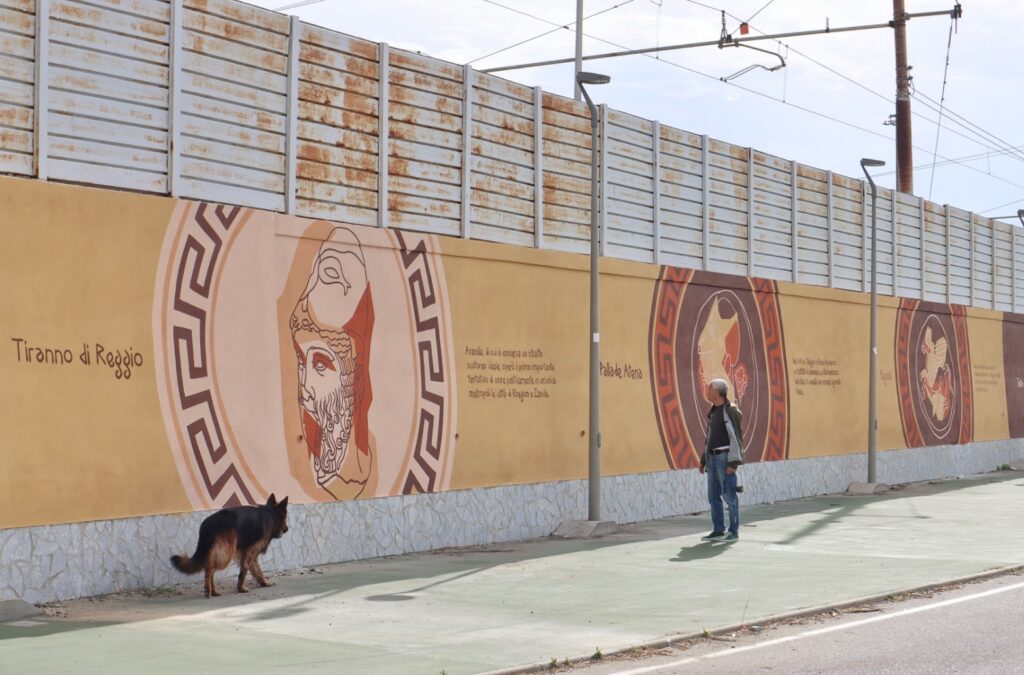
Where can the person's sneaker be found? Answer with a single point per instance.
(714, 535)
(731, 537)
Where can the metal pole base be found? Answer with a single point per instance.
(585, 529)
(860, 489)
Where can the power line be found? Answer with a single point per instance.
(763, 7)
(1015, 201)
(971, 126)
(557, 28)
(942, 100)
(957, 160)
(843, 76)
(774, 98)
(1001, 145)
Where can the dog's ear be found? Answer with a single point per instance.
(283, 504)
(271, 500)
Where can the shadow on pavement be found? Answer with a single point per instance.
(701, 551)
(417, 573)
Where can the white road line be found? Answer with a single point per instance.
(822, 631)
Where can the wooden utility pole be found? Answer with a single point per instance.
(904, 142)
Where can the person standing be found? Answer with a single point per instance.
(723, 454)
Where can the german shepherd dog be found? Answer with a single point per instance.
(239, 533)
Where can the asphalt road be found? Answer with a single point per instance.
(970, 629)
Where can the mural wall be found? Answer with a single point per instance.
(165, 356)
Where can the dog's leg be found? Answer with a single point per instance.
(257, 571)
(211, 591)
(243, 568)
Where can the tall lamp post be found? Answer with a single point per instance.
(873, 386)
(594, 498)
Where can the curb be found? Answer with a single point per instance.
(671, 640)
(12, 610)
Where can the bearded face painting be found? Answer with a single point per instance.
(331, 328)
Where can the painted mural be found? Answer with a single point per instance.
(309, 358)
(203, 355)
(1013, 370)
(705, 326)
(933, 374)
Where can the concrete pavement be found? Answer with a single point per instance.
(513, 605)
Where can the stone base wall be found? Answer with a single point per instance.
(59, 562)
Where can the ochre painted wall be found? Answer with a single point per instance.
(77, 273)
(328, 361)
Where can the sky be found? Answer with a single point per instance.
(827, 108)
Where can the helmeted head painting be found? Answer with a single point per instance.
(708, 327)
(306, 357)
(332, 331)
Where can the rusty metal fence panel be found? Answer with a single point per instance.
(961, 255)
(338, 108)
(566, 149)
(983, 267)
(886, 244)
(222, 101)
(106, 118)
(727, 231)
(629, 219)
(848, 234)
(681, 198)
(1002, 262)
(233, 104)
(908, 245)
(813, 226)
(773, 207)
(503, 183)
(426, 140)
(936, 254)
(17, 86)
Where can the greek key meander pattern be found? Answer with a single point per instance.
(776, 443)
(431, 421)
(664, 315)
(963, 359)
(188, 320)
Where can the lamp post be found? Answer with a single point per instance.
(594, 483)
(873, 386)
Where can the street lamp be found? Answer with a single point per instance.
(873, 386)
(594, 483)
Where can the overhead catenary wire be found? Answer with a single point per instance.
(1000, 147)
(763, 7)
(980, 137)
(557, 28)
(971, 127)
(974, 139)
(942, 101)
(1015, 201)
(805, 109)
(955, 160)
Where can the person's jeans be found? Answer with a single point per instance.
(722, 487)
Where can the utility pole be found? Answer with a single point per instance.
(904, 142)
(579, 49)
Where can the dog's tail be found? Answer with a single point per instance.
(186, 565)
